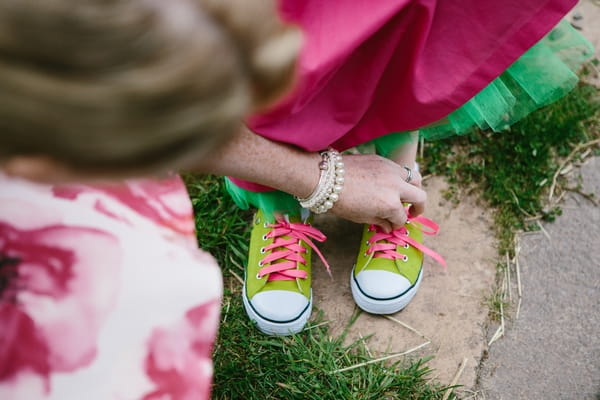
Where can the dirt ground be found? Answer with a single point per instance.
(449, 310)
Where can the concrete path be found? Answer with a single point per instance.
(552, 351)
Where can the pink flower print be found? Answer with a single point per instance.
(179, 357)
(165, 201)
(57, 285)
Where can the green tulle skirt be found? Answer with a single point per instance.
(542, 75)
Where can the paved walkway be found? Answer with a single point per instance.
(553, 350)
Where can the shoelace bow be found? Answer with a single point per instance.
(385, 245)
(282, 263)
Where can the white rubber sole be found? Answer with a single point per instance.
(383, 306)
(277, 328)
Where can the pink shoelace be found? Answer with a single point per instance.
(385, 245)
(289, 252)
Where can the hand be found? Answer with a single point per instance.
(374, 191)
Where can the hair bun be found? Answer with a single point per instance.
(267, 46)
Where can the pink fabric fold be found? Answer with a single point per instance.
(371, 68)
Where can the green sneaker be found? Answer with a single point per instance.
(277, 287)
(389, 267)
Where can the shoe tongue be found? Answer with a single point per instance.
(290, 219)
(304, 215)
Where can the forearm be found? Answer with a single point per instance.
(251, 157)
(374, 190)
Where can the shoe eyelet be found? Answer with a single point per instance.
(407, 232)
(365, 255)
(264, 237)
(260, 264)
(258, 277)
(263, 251)
(266, 225)
(257, 221)
(406, 246)
(405, 258)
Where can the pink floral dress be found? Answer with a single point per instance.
(104, 293)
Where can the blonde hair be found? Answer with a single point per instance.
(135, 84)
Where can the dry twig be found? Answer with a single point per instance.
(508, 276)
(410, 328)
(588, 196)
(576, 150)
(226, 311)
(518, 268)
(518, 273)
(236, 276)
(544, 231)
(365, 343)
(456, 378)
(518, 309)
(381, 358)
(496, 336)
(500, 331)
(315, 326)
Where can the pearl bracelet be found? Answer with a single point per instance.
(331, 182)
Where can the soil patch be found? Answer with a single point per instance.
(448, 310)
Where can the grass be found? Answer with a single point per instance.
(221, 225)
(496, 301)
(512, 171)
(249, 365)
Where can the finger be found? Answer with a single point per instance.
(397, 219)
(411, 175)
(417, 179)
(416, 209)
(385, 225)
(417, 197)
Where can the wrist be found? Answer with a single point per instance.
(329, 187)
(307, 175)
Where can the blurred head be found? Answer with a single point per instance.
(121, 87)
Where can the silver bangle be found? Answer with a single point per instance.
(331, 183)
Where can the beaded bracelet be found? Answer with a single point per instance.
(331, 182)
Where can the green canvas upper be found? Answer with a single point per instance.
(258, 241)
(409, 269)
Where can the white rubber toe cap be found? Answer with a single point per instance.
(382, 292)
(382, 284)
(279, 305)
